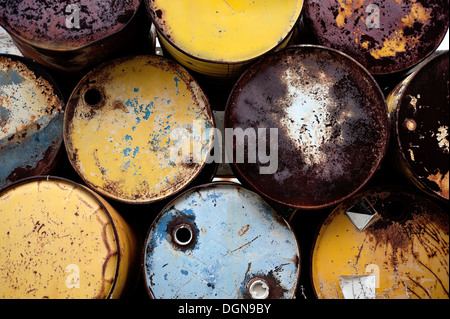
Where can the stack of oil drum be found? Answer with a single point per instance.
(265, 150)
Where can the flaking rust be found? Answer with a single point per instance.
(31, 120)
(419, 106)
(405, 249)
(70, 36)
(218, 241)
(385, 36)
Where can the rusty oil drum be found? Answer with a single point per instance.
(419, 108)
(59, 240)
(384, 36)
(31, 120)
(138, 129)
(384, 243)
(69, 36)
(327, 114)
(220, 240)
(219, 38)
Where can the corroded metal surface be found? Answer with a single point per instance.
(385, 36)
(402, 253)
(236, 239)
(60, 240)
(420, 118)
(218, 38)
(121, 126)
(31, 120)
(332, 123)
(69, 35)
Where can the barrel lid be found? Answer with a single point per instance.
(66, 25)
(220, 240)
(31, 119)
(401, 253)
(385, 36)
(138, 129)
(229, 31)
(326, 126)
(57, 240)
(422, 121)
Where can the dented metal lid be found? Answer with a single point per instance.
(63, 25)
(60, 240)
(402, 253)
(326, 126)
(138, 129)
(221, 241)
(31, 120)
(420, 109)
(385, 36)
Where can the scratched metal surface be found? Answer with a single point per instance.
(124, 145)
(406, 247)
(407, 31)
(31, 120)
(420, 112)
(237, 237)
(332, 123)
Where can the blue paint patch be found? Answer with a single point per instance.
(136, 90)
(126, 152)
(128, 138)
(176, 81)
(136, 150)
(185, 272)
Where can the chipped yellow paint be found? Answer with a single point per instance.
(442, 181)
(408, 268)
(348, 9)
(60, 240)
(126, 147)
(212, 35)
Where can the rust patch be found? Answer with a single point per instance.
(243, 230)
(182, 220)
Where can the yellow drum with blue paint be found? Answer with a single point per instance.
(138, 129)
(31, 120)
(223, 241)
(384, 243)
(58, 239)
(218, 38)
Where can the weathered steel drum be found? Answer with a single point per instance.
(220, 240)
(218, 38)
(69, 36)
(419, 108)
(138, 129)
(384, 243)
(31, 120)
(7, 45)
(58, 239)
(327, 116)
(385, 36)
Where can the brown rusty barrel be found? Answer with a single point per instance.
(385, 36)
(31, 120)
(316, 119)
(70, 35)
(58, 239)
(419, 108)
(139, 129)
(383, 243)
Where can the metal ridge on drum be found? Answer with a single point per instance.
(330, 119)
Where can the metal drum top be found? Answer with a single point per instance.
(31, 120)
(328, 116)
(138, 129)
(385, 243)
(222, 32)
(420, 111)
(385, 36)
(53, 25)
(222, 241)
(60, 240)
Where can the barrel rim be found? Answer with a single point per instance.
(93, 195)
(210, 186)
(376, 87)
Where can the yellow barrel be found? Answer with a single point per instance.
(60, 240)
(217, 38)
(384, 243)
(419, 108)
(138, 129)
